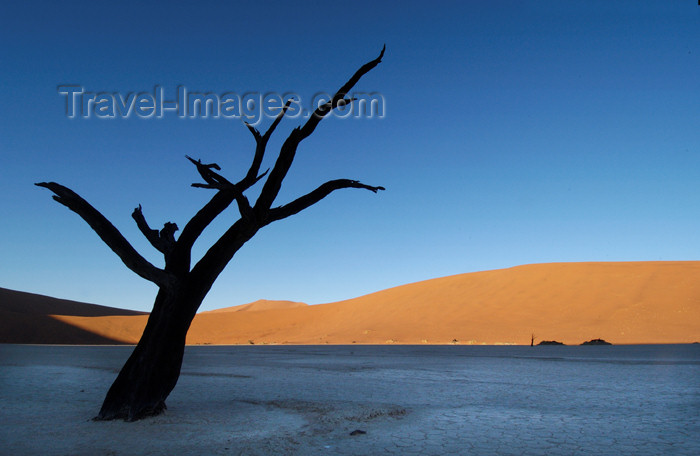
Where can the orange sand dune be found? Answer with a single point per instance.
(641, 302)
(624, 303)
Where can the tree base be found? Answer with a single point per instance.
(128, 414)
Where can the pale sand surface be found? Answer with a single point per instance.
(410, 400)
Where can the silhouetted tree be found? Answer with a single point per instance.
(152, 370)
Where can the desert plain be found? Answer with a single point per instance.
(425, 368)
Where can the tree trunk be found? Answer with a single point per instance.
(152, 370)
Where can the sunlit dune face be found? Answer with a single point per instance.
(624, 303)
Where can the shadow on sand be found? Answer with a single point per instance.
(27, 318)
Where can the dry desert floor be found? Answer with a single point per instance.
(308, 400)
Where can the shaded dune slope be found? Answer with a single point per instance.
(30, 318)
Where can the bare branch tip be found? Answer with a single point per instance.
(252, 129)
(286, 106)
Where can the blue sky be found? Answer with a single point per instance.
(515, 132)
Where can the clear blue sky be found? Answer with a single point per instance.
(515, 132)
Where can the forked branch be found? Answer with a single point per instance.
(226, 195)
(216, 258)
(219, 182)
(252, 177)
(180, 257)
(164, 240)
(108, 233)
(213, 180)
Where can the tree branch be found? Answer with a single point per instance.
(314, 197)
(212, 179)
(164, 240)
(217, 181)
(215, 259)
(288, 151)
(320, 113)
(252, 177)
(205, 272)
(181, 254)
(180, 257)
(224, 197)
(109, 234)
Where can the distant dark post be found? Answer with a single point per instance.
(532, 340)
(153, 368)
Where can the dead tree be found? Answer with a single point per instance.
(152, 370)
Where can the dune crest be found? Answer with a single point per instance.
(260, 304)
